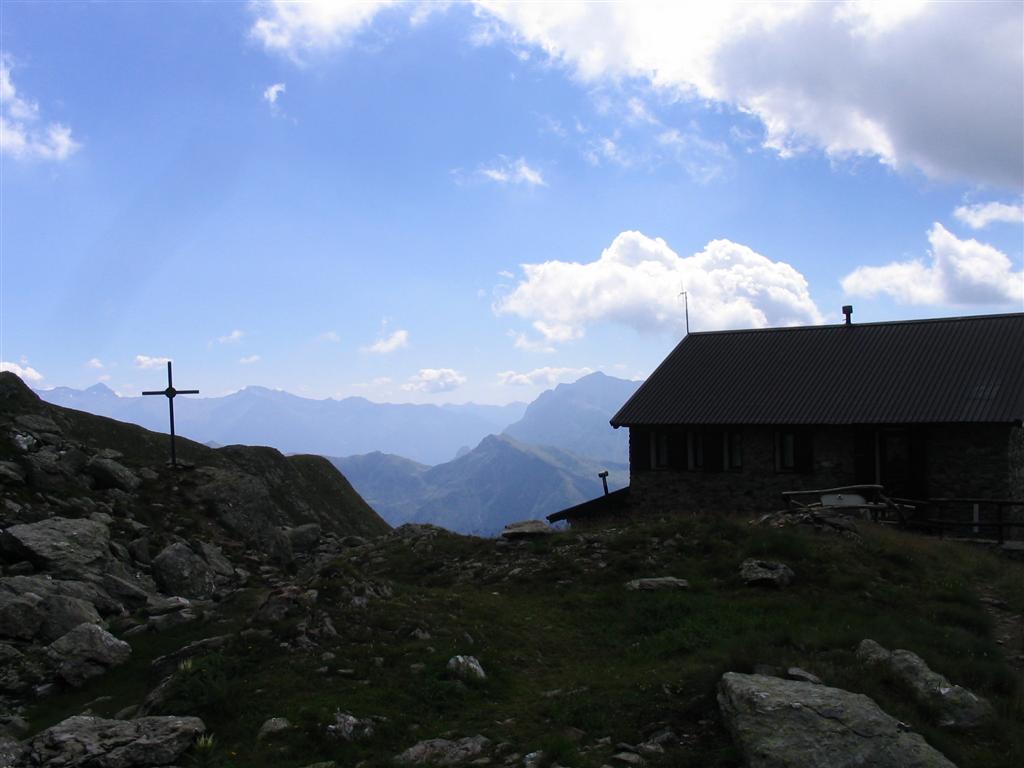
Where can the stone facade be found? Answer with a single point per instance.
(968, 460)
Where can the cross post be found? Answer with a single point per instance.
(170, 394)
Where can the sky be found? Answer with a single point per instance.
(454, 202)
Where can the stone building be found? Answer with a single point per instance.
(927, 408)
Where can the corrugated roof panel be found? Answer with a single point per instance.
(967, 369)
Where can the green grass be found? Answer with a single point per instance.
(565, 646)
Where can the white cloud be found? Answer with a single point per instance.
(331, 336)
(145, 361)
(547, 376)
(524, 342)
(507, 171)
(95, 362)
(20, 134)
(297, 28)
(272, 92)
(433, 380)
(849, 78)
(389, 343)
(25, 372)
(959, 272)
(105, 377)
(637, 280)
(250, 360)
(980, 215)
(231, 338)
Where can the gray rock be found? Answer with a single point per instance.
(444, 751)
(93, 742)
(215, 559)
(795, 673)
(107, 473)
(11, 473)
(272, 727)
(348, 727)
(303, 538)
(11, 751)
(180, 571)
(61, 545)
(765, 572)
(87, 651)
(657, 583)
(466, 668)
(789, 724)
(526, 529)
(35, 422)
(954, 706)
(63, 613)
(21, 616)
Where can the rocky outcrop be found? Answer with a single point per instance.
(93, 742)
(60, 545)
(179, 570)
(952, 706)
(444, 751)
(466, 668)
(788, 724)
(657, 583)
(527, 529)
(348, 727)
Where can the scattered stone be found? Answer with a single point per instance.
(87, 651)
(657, 583)
(94, 742)
(63, 614)
(627, 758)
(466, 668)
(303, 538)
(107, 473)
(795, 724)
(273, 727)
(795, 673)
(11, 473)
(348, 727)
(954, 706)
(21, 615)
(444, 751)
(765, 572)
(180, 571)
(527, 529)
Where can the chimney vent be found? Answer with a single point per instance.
(848, 313)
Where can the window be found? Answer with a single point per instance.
(694, 450)
(734, 450)
(794, 451)
(659, 450)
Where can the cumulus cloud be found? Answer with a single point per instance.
(25, 371)
(272, 92)
(21, 134)
(231, 338)
(296, 28)
(957, 272)
(854, 78)
(95, 362)
(249, 360)
(547, 376)
(433, 380)
(389, 343)
(980, 215)
(145, 361)
(636, 282)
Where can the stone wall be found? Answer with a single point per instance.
(959, 461)
(754, 488)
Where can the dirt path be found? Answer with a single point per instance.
(1009, 627)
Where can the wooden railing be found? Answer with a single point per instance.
(929, 516)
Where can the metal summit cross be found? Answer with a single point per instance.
(170, 393)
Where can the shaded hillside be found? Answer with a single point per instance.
(261, 416)
(574, 417)
(498, 482)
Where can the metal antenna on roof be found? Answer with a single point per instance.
(686, 305)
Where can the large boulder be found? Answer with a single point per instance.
(444, 751)
(86, 651)
(179, 570)
(93, 742)
(766, 573)
(789, 724)
(63, 614)
(107, 473)
(953, 706)
(466, 668)
(60, 545)
(21, 615)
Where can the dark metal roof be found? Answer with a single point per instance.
(951, 370)
(609, 505)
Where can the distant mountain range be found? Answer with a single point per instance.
(413, 463)
(498, 482)
(258, 416)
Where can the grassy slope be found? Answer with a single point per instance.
(623, 661)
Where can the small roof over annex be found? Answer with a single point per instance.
(946, 370)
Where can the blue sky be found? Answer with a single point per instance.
(453, 202)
